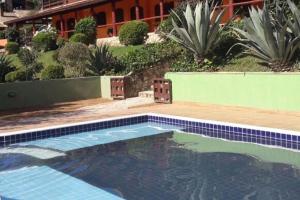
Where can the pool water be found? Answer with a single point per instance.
(164, 165)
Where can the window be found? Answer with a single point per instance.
(157, 10)
(119, 15)
(71, 24)
(168, 7)
(133, 13)
(101, 18)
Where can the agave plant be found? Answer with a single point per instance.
(268, 40)
(294, 24)
(5, 67)
(198, 30)
(101, 60)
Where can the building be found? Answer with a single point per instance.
(109, 14)
(13, 9)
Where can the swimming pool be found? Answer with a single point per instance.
(148, 157)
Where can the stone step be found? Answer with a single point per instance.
(146, 94)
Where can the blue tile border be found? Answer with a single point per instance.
(210, 129)
(57, 132)
(233, 133)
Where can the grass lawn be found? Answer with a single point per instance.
(244, 64)
(120, 51)
(45, 58)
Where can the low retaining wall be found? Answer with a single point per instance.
(43, 93)
(275, 91)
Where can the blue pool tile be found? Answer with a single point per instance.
(283, 137)
(273, 135)
(294, 138)
(294, 145)
(278, 136)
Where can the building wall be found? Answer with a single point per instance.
(148, 7)
(274, 91)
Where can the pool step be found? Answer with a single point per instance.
(146, 94)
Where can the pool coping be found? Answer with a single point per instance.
(231, 131)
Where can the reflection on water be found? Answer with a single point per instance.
(165, 167)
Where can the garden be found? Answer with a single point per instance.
(194, 40)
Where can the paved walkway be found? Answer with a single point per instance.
(99, 108)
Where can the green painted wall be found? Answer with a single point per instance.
(42, 93)
(259, 90)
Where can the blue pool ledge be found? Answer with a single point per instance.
(271, 137)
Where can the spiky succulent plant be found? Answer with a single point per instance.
(198, 30)
(268, 40)
(294, 21)
(5, 67)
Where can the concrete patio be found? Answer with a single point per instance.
(94, 109)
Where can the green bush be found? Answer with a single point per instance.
(12, 47)
(185, 63)
(227, 39)
(150, 55)
(12, 34)
(60, 42)
(5, 67)
(27, 56)
(53, 72)
(165, 27)
(75, 58)
(80, 37)
(2, 35)
(87, 26)
(55, 55)
(44, 41)
(19, 75)
(133, 33)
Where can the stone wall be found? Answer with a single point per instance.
(143, 81)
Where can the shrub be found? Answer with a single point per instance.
(53, 72)
(27, 56)
(75, 59)
(133, 33)
(87, 26)
(12, 34)
(12, 47)
(5, 67)
(25, 33)
(150, 55)
(185, 63)
(103, 62)
(55, 55)
(19, 75)
(29, 60)
(228, 38)
(44, 41)
(80, 37)
(165, 27)
(2, 35)
(60, 42)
